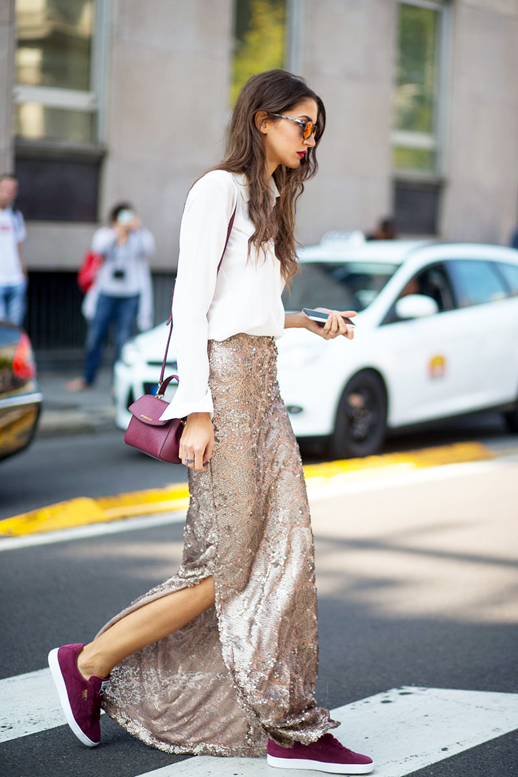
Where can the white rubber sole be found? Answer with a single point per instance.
(61, 688)
(318, 766)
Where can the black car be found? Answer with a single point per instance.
(20, 400)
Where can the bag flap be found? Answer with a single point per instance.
(148, 410)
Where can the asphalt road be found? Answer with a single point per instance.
(100, 464)
(92, 465)
(417, 587)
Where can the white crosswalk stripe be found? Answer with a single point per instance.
(28, 704)
(404, 729)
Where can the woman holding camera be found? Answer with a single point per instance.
(122, 291)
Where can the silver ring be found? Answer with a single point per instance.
(190, 461)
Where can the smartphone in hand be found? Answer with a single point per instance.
(321, 318)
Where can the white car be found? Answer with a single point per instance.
(436, 336)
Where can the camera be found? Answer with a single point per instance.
(125, 216)
(119, 274)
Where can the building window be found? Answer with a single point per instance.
(59, 59)
(59, 107)
(259, 39)
(417, 99)
(418, 126)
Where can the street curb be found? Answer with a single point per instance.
(84, 510)
(57, 423)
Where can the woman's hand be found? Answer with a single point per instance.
(135, 224)
(333, 327)
(197, 441)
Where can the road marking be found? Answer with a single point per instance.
(28, 704)
(94, 530)
(398, 477)
(403, 730)
(84, 510)
(438, 456)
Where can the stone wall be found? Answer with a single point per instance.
(481, 195)
(167, 106)
(349, 51)
(170, 73)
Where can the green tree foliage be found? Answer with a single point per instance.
(260, 35)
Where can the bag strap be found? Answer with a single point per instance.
(170, 319)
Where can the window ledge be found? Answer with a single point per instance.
(418, 176)
(48, 150)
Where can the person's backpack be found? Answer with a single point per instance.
(90, 266)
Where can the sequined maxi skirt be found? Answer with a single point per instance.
(244, 670)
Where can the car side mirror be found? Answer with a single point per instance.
(416, 306)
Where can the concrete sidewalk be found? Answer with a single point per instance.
(65, 412)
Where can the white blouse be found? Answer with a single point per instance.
(244, 296)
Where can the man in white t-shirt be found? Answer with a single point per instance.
(13, 275)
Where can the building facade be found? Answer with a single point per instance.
(109, 100)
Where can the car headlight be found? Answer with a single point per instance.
(300, 356)
(130, 354)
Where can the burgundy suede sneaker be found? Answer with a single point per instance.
(80, 698)
(324, 755)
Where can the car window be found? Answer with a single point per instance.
(431, 282)
(475, 282)
(510, 273)
(338, 285)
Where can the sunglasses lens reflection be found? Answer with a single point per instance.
(310, 129)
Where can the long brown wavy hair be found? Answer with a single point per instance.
(274, 91)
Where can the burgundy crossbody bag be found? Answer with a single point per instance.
(160, 439)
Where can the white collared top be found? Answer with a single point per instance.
(244, 296)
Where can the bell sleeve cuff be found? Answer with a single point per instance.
(179, 408)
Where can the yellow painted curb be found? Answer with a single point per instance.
(441, 455)
(82, 511)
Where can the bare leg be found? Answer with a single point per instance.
(148, 624)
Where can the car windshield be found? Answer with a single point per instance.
(338, 285)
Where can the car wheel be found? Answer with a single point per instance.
(361, 419)
(511, 419)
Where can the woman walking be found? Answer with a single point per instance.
(221, 659)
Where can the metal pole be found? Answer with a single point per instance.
(295, 36)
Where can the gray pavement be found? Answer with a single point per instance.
(66, 412)
(416, 588)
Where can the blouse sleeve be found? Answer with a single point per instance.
(203, 233)
(145, 243)
(103, 240)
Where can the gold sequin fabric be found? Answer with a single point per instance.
(244, 671)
